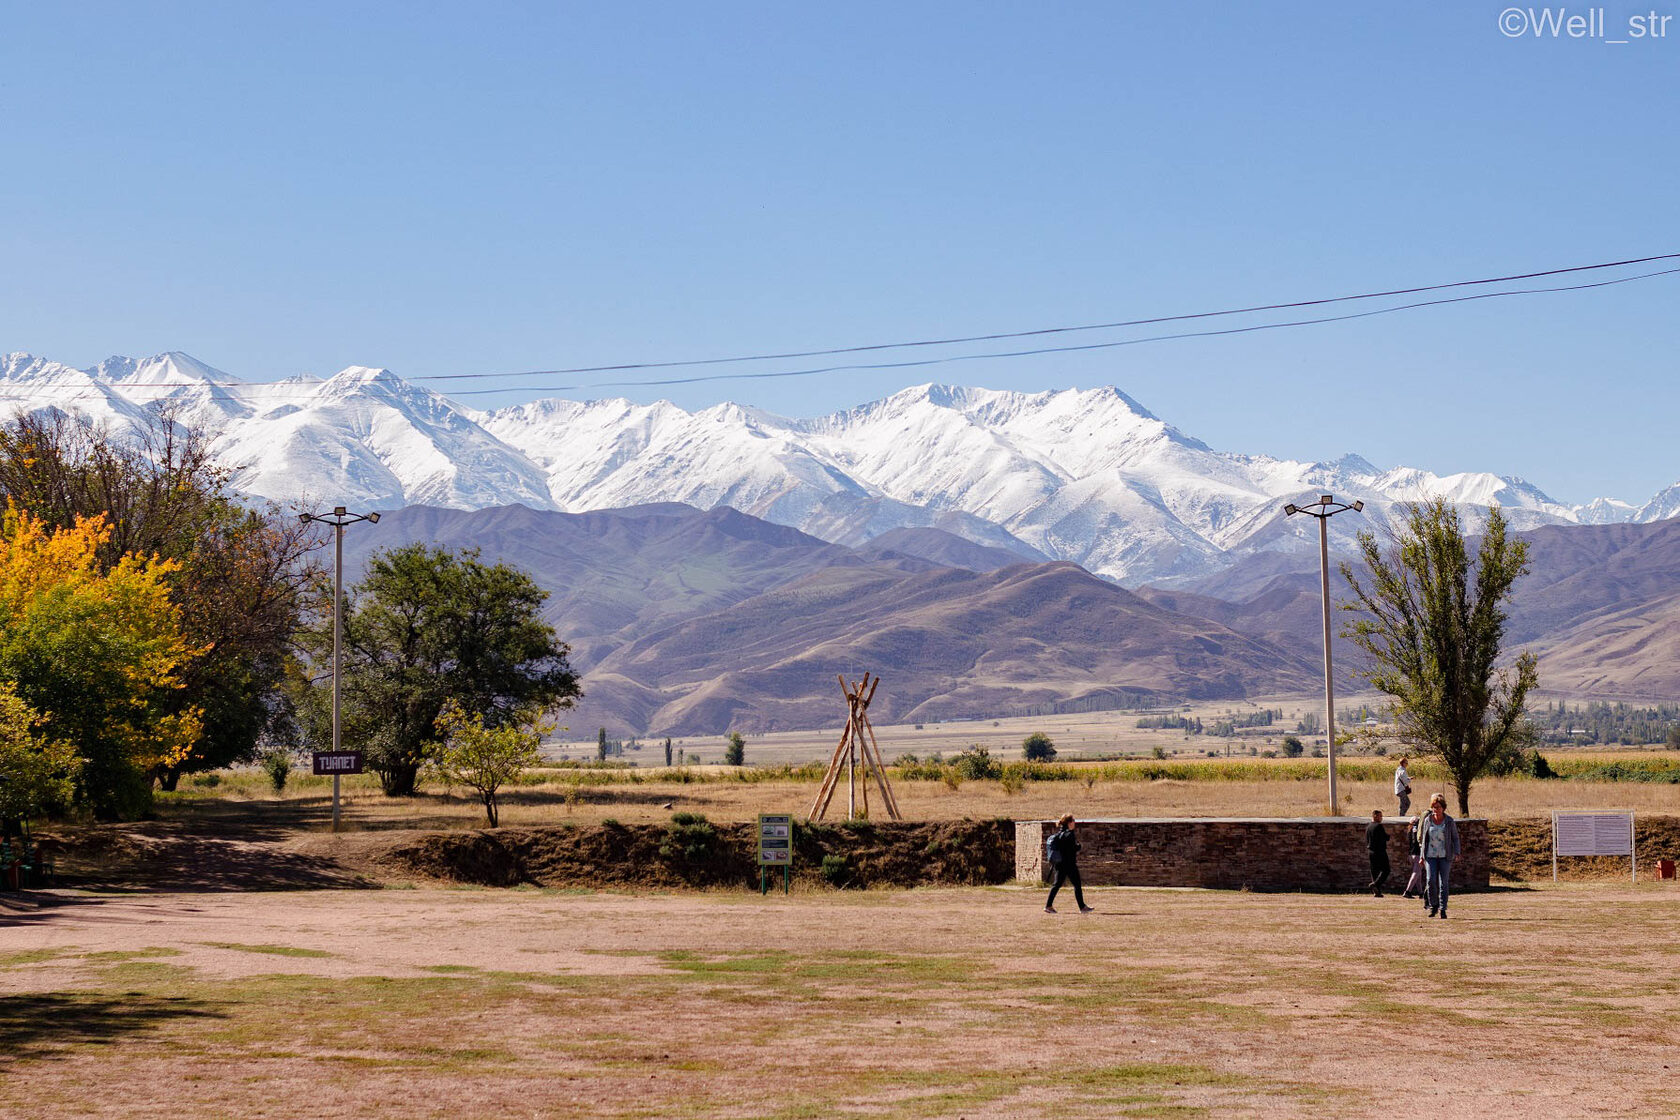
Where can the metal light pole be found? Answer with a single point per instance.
(1324, 509)
(338, 519)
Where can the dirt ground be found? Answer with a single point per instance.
(963, 1002)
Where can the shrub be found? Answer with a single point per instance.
(1292, 747)
(952, 779)
(1012, 780)
(976, 764)
(837, 870)
(277, 764)
(1157, 752)
(1037, 747)
(207, 781)
(689, 836)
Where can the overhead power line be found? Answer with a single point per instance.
(272, 390)
(852, 367)
(1039, 332)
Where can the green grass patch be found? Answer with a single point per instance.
(270, 950)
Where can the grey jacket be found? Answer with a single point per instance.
(1424, 824)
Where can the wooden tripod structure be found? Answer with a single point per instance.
(857, 739)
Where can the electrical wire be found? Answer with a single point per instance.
(627, 366)
(273, 390)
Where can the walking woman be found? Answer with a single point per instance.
(1063, 849)
(1438, 842)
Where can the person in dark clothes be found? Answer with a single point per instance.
(1376, 843)
(1063, 848)
(1415, 882)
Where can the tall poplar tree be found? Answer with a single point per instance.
(1432, 623)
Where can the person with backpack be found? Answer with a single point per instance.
(1062, 850)
(1415, 883)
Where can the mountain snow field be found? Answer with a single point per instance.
(1087, 475)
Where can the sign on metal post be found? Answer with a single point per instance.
(775, 848)
(1593, 834)
(337, 763)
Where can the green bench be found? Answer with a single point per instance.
(23, 864)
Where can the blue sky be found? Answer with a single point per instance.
(445, 189)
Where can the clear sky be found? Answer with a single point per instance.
(440, 189)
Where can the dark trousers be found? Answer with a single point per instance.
(1405, 802)
(1379, 872)
(1067, 873)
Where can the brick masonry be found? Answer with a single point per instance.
(1262, 854)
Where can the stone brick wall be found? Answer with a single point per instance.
(1262, 854)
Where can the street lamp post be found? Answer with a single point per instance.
(338, 519)
(1324, 509)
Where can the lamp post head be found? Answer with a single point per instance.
(1358, 507)
(374, 518)
(1288, 510)
(1326, 499)
(339, 511)
(305, 518)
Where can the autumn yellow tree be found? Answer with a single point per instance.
(37, 775)
(96, 651)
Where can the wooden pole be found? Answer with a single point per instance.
(851, 766)
(825, 793)
(881, 774)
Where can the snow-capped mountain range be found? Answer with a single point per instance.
(1087, 475)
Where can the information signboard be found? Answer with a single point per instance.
(1593, 834)
(775, 848)
(338, 762)
(775, 839)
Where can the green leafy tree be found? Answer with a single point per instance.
(426, 626)
(1037, 747)
(735, 753)
(667, 752)
(467, 753)
(37, 775)
(1292, 747)
(96, 654)
(1432, 627)
(237, 575)
(601, 746)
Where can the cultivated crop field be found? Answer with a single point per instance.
(948, 1002)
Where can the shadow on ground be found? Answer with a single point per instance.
(203, 852)
(41, 1025)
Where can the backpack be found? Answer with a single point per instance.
(1053, 848)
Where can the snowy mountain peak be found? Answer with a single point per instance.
(168, 370)
(1088, 475)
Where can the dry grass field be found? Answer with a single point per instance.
(415, 1002)
(925, 1003)
(642, 796)
(1088, 733)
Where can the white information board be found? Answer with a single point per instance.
(1593, 834)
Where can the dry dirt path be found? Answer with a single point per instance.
(959, 1002)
